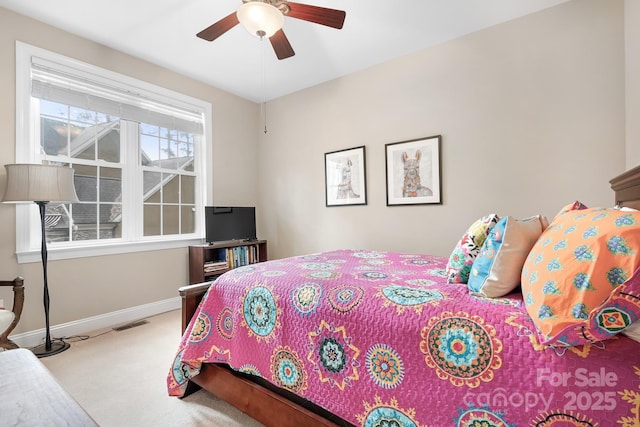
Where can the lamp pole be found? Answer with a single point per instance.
(46, 349)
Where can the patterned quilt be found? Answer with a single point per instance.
(380, 339)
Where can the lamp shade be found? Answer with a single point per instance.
(260, 19)
(39, 183)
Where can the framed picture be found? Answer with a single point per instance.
(344, 177)
(413, 172)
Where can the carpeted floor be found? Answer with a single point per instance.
(119, 377)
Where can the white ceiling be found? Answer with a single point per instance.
(164, 32)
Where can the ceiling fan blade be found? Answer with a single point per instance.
(281, 45)
(214, 31)
(320, 15)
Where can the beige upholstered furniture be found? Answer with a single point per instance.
(31, 396)
(10, 318)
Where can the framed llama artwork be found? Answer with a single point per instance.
(413, 172)
(344, 177)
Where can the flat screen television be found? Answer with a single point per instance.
(225, 223)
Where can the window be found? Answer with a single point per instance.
(137, 150)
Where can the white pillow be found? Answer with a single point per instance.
(633, 331)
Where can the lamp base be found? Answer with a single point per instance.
(56, 347)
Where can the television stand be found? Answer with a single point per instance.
(208, 261)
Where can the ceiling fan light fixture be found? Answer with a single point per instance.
(260, 19)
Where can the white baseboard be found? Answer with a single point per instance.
(82, 326)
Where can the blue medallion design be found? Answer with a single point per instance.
(384, 416)
(318, 266)
(406, 296)
(368, 255)
(439, 272)
(481, 416)
(260, 311)
(323, 275)
(201, 328)
(372, 275)
(250, 369)
(288, 371)
(344, 298)
(225, 323)
(417, 261)
(305, 297)
(245, 269)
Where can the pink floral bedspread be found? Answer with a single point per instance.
(380, 339)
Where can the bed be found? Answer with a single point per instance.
(369, 338)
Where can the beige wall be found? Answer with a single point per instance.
(632, 80)
(89, 287)
(531, 113)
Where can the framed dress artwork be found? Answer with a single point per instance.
(344, 177)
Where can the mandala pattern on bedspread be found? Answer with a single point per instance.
(380, 339)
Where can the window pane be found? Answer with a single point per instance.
(188, 189)
(185, 153)
(168, 149)
(110, 221)
(85, 221)
(57, 223)
(152, 186)
(54, 109)
(84, 132)
(149, 149)
(170, 188)
(54, 135)
(54, 128)
(86, 181)
(188, 219)
(170, 220)
(109, 141)
(151, 220)
(110, 185)
(81, 115)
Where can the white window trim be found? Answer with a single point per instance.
(27, 147)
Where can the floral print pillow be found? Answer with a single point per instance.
(467, 249)
(581, 280)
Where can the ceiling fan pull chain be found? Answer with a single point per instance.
(265, 117)
(264, 86)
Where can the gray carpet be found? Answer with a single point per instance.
(119, 377)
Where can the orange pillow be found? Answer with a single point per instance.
(578, 281)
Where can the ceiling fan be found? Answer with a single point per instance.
(264, 18)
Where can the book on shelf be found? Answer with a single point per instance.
(239, 256)
(211, 266)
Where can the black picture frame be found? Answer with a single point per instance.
(345, 177)
(413, 172)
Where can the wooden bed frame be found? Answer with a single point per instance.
(276, 407)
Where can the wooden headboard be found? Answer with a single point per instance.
(627, 188)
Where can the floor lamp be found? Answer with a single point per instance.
(41, 184)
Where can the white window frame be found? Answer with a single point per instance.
(28, 151)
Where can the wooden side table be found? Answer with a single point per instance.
(31, 396)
